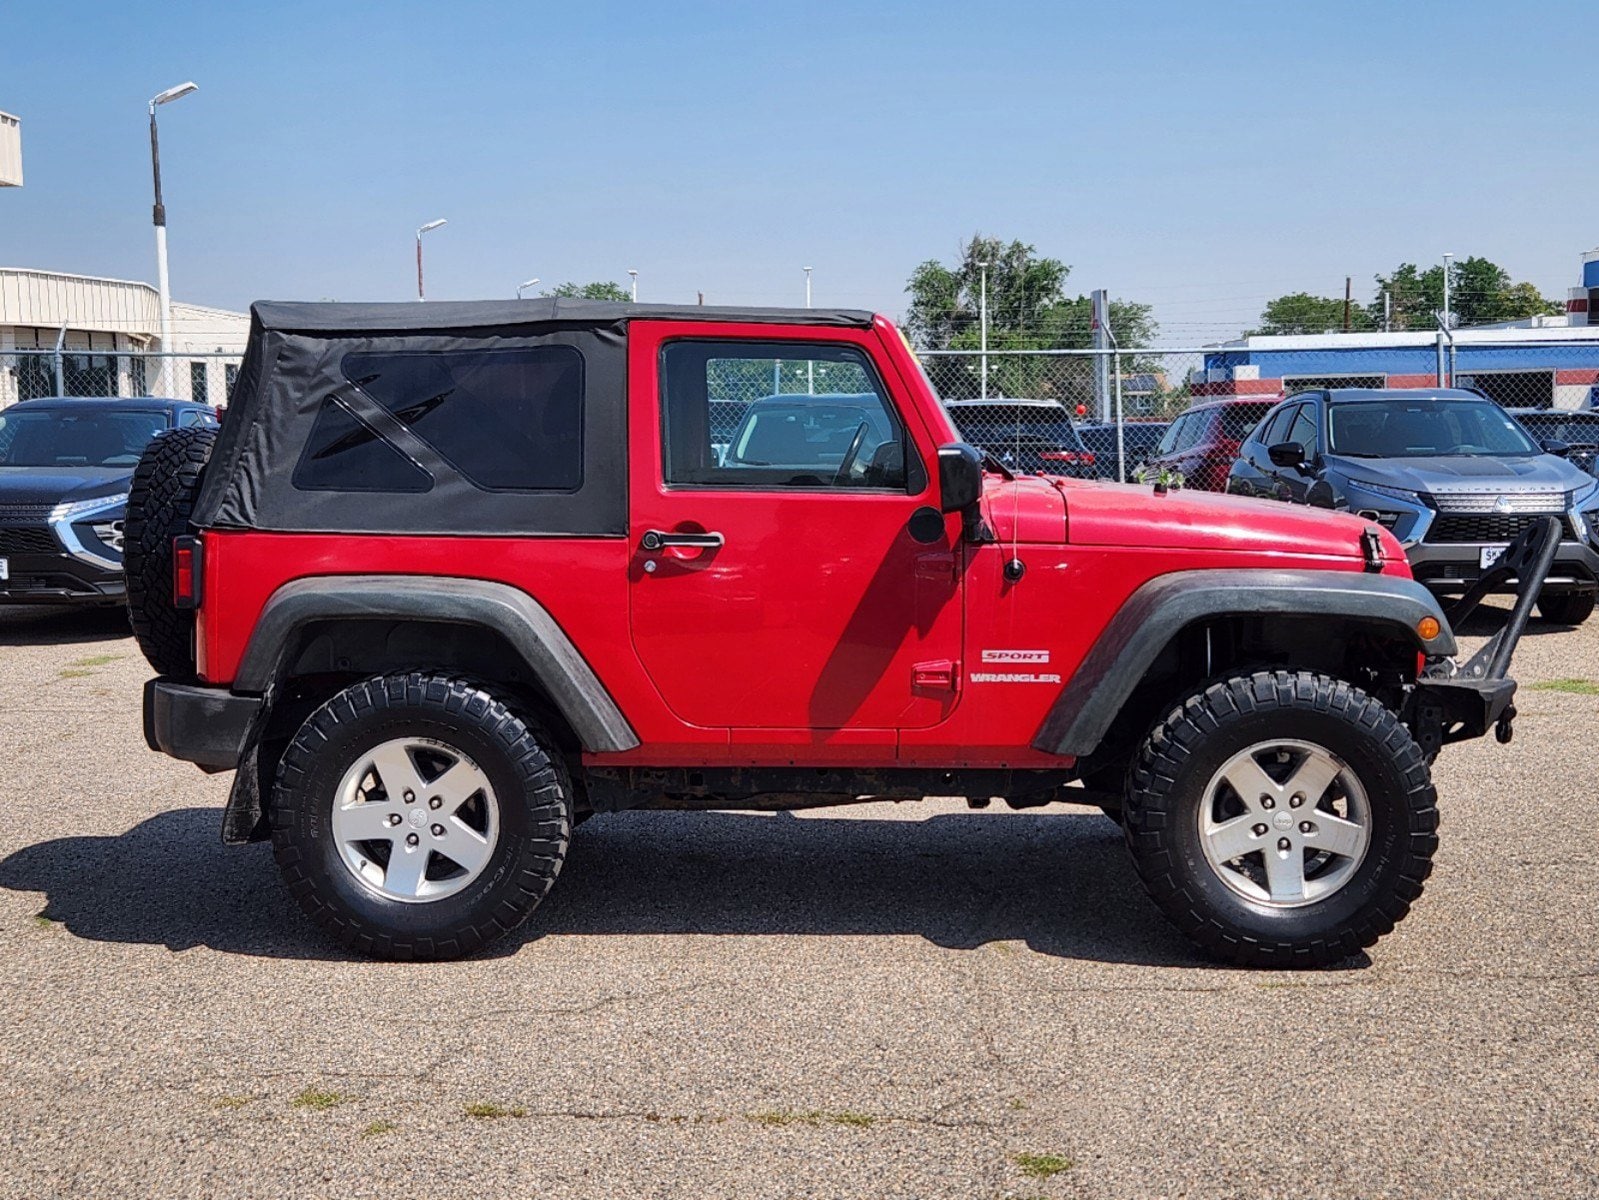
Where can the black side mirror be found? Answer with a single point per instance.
(1286, 454)
(1555, 446)
(960, 477)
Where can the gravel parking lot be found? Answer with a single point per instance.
(901, 1000)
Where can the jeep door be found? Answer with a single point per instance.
(798, 575)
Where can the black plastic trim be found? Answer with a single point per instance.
(535, 636)
(203, 725)
(1158, 611)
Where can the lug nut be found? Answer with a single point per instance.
(394, 818)
(1296, 799)
(1267, 802)
(1305, 827)
(411, 839)
(436, 802)
(1258, 830)
(1284, 844)
(410, 796)
(438, 831)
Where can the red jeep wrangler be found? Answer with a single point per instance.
(454, 577)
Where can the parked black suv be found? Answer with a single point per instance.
(1573, 435)
(65, 466)
(1036, 436)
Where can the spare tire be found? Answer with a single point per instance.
(160, 503)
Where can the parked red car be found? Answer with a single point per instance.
(453, 577)
(1204, 441)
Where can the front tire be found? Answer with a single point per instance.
(1566, 608)
(1282, 819)
(417, 817)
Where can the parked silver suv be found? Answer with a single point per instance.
(1449, 471)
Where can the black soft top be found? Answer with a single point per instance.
(288, 316)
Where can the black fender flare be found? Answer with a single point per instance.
(521, 620)
(1159, 610)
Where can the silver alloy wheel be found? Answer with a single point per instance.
(1285, 823)
(415, 820)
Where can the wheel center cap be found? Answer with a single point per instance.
(1281, 820)
(418, 818)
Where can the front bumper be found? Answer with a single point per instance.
(1451, 568)
(59, 579)
(199, 724)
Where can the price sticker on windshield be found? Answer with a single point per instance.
(5, 569)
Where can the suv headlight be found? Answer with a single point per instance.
(1380, 489)
(71, 510)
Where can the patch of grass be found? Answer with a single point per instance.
(486, 1110)
(1041, 1166)
(815, 1116)
(318, 1100)
(234, 1103)
(378, 1129)
(1017, 1104)
(1575, 687)
(43, 921)
(97, 660)
(71, 673)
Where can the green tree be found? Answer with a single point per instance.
(599, 290)
(1481, 292)
(1300, 312)
(1028, 309)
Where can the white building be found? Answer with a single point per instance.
(108, 334)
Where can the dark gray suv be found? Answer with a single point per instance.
(1448, 471)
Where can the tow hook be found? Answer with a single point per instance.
(1505, 729)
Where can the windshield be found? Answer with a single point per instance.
(991, 424)
(1425, 428)
(63, 438)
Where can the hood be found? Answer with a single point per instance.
(1124, 514)
(52, 485)
(1465, 473)
(1028, 508)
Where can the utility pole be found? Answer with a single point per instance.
(634, 275)
(982, 328)
(810, 364)
(1348, 292)
(1387, 310)
(420, 231)
(163, 292)
(1449, 320)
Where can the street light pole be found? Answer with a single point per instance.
(163, 292)
(634, 274)
(1448, 319)
(522, 287)
(982, 323)
(420, 231)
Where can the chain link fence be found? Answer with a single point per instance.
(29, 374)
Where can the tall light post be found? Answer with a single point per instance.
(420, 231)
(164, 385)
(522, 287)
(1448, 319)
(810, 364)
(982, 327)
(634, 275)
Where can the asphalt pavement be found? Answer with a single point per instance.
(911, 1000)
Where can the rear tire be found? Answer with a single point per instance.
(1566, 608)
(1282, 819)
(160, 504)
(463, 850)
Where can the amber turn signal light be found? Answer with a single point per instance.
(1428, 628)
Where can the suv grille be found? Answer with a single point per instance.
(15, 513)
(1487, 527)
(1485, 502)
(28, 541)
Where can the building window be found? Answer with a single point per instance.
(230, 377)
(138, 377)
(198, 391)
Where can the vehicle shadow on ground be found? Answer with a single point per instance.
(1059, 881)
(40, 625)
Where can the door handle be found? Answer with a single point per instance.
(656, 539)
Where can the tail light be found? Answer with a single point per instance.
(186, 566)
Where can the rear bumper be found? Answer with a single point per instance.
(202, 725)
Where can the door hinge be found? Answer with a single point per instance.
(940, 675)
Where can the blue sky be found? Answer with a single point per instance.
(1202, 157)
